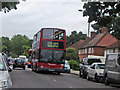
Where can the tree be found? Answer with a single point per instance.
(18, 42)
(74, 37)
(26, 49)
(71, 54)
(7, 6)
(6, 43)
(4, 49)
(103, 13)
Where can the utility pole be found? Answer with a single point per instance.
(88, 38)
(0, 6)
(88, 33)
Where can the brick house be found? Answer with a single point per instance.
(96, 44)
(77, 45)
(113, 48)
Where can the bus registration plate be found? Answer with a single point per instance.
(51, 70)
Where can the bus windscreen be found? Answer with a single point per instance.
(52, 56)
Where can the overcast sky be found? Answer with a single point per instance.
(32, 15)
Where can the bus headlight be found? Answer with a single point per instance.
(41, 66)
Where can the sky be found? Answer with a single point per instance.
(33, 15)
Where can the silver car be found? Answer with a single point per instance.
(95, 71)
(5, 80)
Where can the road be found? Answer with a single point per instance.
(28, 79)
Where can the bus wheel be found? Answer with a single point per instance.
(37, 70)
(58, 73)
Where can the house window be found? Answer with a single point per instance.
(92, 50)
(85, 50)
(116, 50)
(89, 50)
(110, 51)
(79, 51)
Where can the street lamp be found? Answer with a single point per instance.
(80, 10)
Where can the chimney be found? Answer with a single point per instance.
(93, 34)
(104, 30)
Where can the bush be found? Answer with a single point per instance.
(74, 65)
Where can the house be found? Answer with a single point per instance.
(96, 44)
(113, 48)
(77, 45)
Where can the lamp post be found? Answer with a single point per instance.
(88, 32)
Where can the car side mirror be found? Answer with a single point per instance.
(9, 69)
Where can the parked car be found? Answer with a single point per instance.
(95, 71)
(67, 67)
(5, 80)
(29, 62)
(26, 61)
(86, 62)
(112, 69)
(19, 63)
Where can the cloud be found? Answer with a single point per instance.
(35, 14)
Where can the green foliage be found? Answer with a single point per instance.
(74, 37)
(71, 54)
(104, 14)
(7, 6)
(26, 49)
(6, 44)
(74, 65)
(14, 55)
(18, 45)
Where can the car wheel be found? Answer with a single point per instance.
(13, 67)
(96, 78)
(80, 75)
(24, 68)
(106, 81)
(84, 75)
(88, 77)
(32, 67)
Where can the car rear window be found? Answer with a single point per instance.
(91, 61)
(19, 60)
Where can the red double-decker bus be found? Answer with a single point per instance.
(48, 50)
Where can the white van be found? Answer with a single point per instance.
(112, 69)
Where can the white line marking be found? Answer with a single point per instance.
(54, 80)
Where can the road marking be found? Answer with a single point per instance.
(54, 80)
(70, 86)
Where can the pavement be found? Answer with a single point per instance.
(74, 72)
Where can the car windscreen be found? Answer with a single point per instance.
(2, 65)
(91, 61)
(100, 66)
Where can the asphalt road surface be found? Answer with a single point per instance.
(28, 79)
